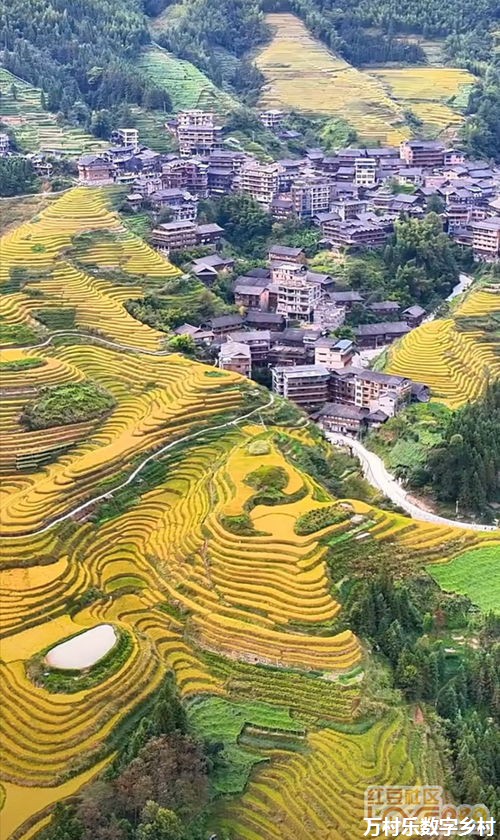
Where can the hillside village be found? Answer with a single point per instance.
(291, 325)
(287, 315)
(250, 425)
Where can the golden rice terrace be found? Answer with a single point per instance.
(146, 517)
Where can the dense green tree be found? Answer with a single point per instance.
(216, 36)
(245, 224)
(17, 176)
(465, 467)
(159, 824)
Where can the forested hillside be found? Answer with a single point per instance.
(84, 54)
(465, 468)
(349, 27)
(216, 37)
(78, 50)
(372, 33)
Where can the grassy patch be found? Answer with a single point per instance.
(59, 405)
(475, 574)
(241, 524)
(223, 722)
(57, 317)
(23, 364)
(129, 582)
(17, 334)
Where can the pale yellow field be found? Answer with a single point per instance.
(302, 74)
(436, 115)
(423, 83)
(425, 91)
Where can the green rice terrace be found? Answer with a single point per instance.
(187, 86)
(35, 129)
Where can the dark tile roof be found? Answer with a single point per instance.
(232, 320)
(383, 328)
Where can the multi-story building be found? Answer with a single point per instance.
(146, 185)
(4, 144)
(306, 385)
(186, 173)
(236, 357)
(365, 171)
(365, 388)
(224, 324)
(297, 296)
(384, 307)
(262, 320)
(95, 170)
(288, 170)
(328, 315)
(348, 209)
(414, 315)
(198, 133)
(251, 295)
(425, 153)
(260, 180)
(182, 204)
(486, 239)
(126, 137)
(311, 195)
(349, 419)
(195, 117)
(173, 236)
(334, 354)
(273, 118)
(209, 234)
(220, 180)
(284, 253)
(358, 233)
(346, 299)
(259, 342)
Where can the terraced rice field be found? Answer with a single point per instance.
(42, 247)
(187, 86)
(453, 361)
(302, 74)
(426, 92)
(248, 623)
(321, 794)
(34, 128)
(475, 573)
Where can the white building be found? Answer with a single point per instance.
(297, 295)
(261, 181)
(311, 195)
(365, 172)
(128, 137)
(334, 354)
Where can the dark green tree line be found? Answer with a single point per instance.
(465, 468)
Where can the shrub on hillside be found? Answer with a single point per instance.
(59, 405)
(315, 520)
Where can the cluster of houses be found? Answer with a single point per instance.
(352, 195)
(319, 373)
(285, 319)
(287, 313)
